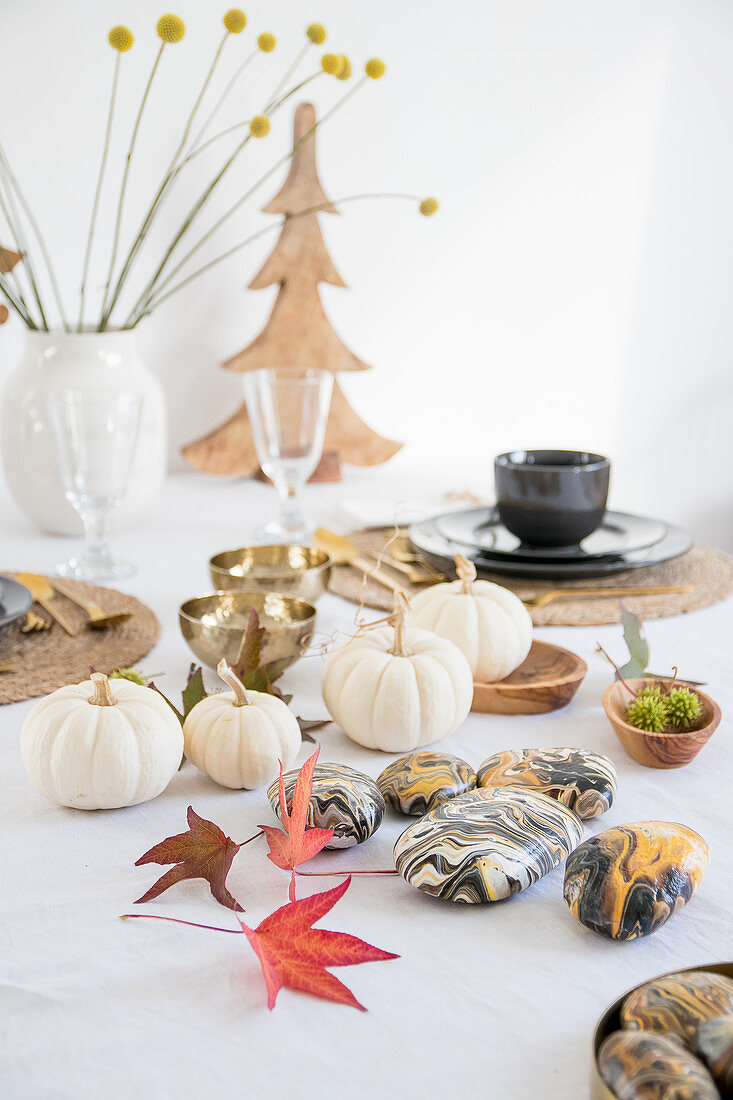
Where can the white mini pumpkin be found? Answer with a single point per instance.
(101, 744)
(487, 622)
(238, 737)
(397, 688)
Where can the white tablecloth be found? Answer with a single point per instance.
(497, 1000)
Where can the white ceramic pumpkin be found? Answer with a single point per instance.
(238, 737)
(101, 744)
(488, 623)
(396, 688)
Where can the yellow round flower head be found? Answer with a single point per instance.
(375, 68)
(345, 71)
(259, 127)
(170, 28)
(428, 206)
(235, 20)
(266, 42)
(120, 38)
(317, 33)
(331, 64)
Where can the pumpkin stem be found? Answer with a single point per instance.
(103, 696)
(466, 571)
(230, 678)
(397, 620)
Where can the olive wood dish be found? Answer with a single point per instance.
(214, 625)
(547, 680)
(610, 1021)
(298, 571)
(659, 750)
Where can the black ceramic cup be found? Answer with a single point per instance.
(551, 498)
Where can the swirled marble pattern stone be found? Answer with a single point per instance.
(714, 1045)
(343, 799)
(676, 1004)
(628, 881)
(644, 1066)
(420, 781)
(584, 781)
(486, 845)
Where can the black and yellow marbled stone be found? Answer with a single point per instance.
(486, 845)
(714, 1045)
(585, 781)
(628, 881)
(676, 1004)
(343, 799)
(420, 781)
(645, 1066)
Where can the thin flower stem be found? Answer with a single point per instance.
(215, 109)
(168, 179)
(155, 301)
(7, 204)
(175, 920)
(36, 230)
(5, 256)
(97, 193)
(142, 306)
(288, 73)
(17, 304)
(123, 187)
(601, 650)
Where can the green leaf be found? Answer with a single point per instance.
(636, 642)
(175, 710)
(194, 690)
(308, 724)
(248, 658)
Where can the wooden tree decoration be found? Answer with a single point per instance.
(8, 260)
(298, 333)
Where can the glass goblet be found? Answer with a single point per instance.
(95, 438)
(288, 411)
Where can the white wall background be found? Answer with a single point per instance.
(574, 289)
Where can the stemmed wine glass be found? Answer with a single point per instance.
(288, 411)
(95, 438)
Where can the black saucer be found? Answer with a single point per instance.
(15, 600)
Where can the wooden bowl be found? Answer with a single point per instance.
(297, 571)
(659, 750)
(547, 680)
(214, 625)
(610, 1021)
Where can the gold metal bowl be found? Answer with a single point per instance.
(214, 625)
(298, 571)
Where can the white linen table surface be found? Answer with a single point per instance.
(486, 1001)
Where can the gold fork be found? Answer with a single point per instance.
(98, 619)
(581, 593)
(33, 623)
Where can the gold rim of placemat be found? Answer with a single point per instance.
(709, 571)
(49, 659)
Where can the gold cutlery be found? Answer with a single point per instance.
(98, 619)
(414, 574)
(343, 552)
(33, 623)
(581, 593)
(401, 550)
(43, 594)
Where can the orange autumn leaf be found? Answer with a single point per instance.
(296, 844)
(202, 852)
(294, 954)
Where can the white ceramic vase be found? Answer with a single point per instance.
(95, 363)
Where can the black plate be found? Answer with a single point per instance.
(619, 533)
(439, 551)
(15, 600)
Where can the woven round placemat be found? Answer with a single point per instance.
(48, 659)
(707, 570)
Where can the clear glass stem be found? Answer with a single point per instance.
(291, 504)
(96, 534)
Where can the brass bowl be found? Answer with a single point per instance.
(214, 625)
(297, 571)
(610, 1021)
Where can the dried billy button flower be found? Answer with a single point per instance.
(259, 127)
(266, 42)
(120, 38)
(428, 206)
(235, 20)
(170, 28)
(375, 68)
(317, 34)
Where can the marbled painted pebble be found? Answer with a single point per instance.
(487, 844)
(644, 1066)
(584, 781)
(420, 781)
(676, 1004)
(714, 1044)
(628, 881)
(343, 799)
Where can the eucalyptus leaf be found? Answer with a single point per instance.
(637, 644)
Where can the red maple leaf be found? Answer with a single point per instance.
(294, 954)
(202, 852)
(296, 845)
